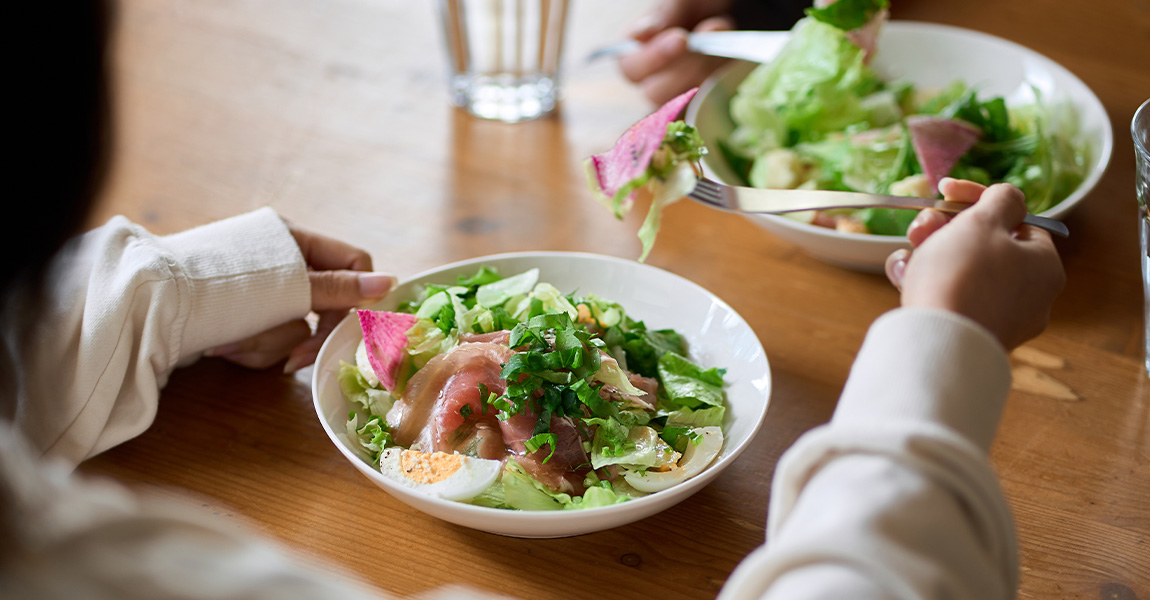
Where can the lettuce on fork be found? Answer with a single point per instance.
(658, 156)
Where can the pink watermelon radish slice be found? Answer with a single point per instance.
(632, 153)
(385, 335)
(939, 143)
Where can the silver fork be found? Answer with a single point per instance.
(771, 201)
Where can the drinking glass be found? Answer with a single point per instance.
(504, 55)
(1140, 130)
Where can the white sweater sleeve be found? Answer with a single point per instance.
(124, 307)
(895, 497)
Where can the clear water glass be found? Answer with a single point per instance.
(504, 55)
(1140, 130)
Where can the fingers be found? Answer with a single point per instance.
(960, 190)
(650, 24)
(1001, 205)
(322, 252)
(926, 223)
(674, 13)
(719, 23)
(306, 351)
(687, 72)
(655, 55)
(687, 69)
(264, 349)
(896, 266)
(664, 68)
(342, 290)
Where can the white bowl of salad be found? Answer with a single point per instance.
(542, 394)
(935, 100)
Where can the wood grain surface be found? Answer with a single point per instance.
(335, 113)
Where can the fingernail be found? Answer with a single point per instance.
(898, 269)
(897, 266)
(223, 350)
(375, 285)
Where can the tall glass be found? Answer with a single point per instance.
(1140, 129)
(504, 55)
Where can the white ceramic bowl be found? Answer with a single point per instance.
(717, 336)
(928, 55)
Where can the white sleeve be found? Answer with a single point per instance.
(123, 308)
(895, 497)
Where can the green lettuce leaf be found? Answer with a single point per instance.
(813, 87)
(356, 388)
(711, 416)
(688, 384)
(639, 448)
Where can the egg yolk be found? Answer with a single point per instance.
(425, 468)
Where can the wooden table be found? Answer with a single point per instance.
(335, 113)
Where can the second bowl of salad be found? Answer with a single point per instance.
(819, 117)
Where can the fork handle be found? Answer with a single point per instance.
(1056, 227)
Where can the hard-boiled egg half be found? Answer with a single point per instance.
(695, 459)
(447, 476)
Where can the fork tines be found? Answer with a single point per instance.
(708, 191)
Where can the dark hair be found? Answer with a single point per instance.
(62, 139)
(63, 134)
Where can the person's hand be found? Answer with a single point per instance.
(982, 263)
(341, 279)
(662, 67)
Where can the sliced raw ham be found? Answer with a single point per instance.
(562, 471)
(385, 336)
(645, 400)
(428, 413)
(631, 155)
(939, 143)
(650, 385)
(495, 337)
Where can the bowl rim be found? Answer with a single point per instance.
(563, 517)
(898, 27)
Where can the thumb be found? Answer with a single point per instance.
(340, 289)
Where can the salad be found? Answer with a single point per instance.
(505, 392)
(819, 117)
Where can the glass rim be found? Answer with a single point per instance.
(1141, 115)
